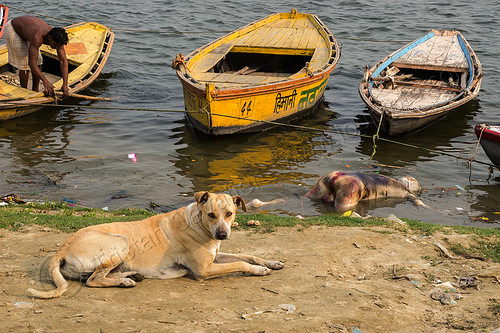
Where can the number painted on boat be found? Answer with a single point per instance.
(246, 107)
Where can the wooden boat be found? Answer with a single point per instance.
(87, 51)
(489, 137)
(271, 70)
(421, 82)
(4, 14)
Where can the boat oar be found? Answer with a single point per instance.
(92, 98)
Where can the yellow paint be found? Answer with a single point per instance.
(247, 111)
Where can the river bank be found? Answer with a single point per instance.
(341, 275)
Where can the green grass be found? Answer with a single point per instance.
(61, 216)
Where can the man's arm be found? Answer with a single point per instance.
(32, 61)
(63, 65)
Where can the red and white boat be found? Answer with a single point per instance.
(4, 14)
(489, 137)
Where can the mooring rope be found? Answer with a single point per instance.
(376, 136)
(268, 122)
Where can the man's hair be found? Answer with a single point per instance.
(59, 36)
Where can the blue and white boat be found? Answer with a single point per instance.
(421, 82)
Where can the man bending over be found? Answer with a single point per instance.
(24, 35)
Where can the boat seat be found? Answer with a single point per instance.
(212, 58)
(431, 67)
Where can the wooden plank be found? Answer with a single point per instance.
(242, 40)
(455, 56)
(267, 40)
(212, 58)
(258, 37)
(405, 97)
(314, 41)
(429, 67)
(306, 36)
(319, 58)
(438, 51)
(296, 39)
(278, 38)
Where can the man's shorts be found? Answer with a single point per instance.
(18, 49)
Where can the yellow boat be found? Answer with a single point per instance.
(87, 51)
(271, 70)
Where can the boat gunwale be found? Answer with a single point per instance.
(487, 134)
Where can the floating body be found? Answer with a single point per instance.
(421, 82)
(271, 70)
(345, 190)
(489, 137)
(87, 52)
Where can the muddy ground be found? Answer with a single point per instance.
(340, 279)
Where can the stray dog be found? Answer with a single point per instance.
(345, 190)
(164, 246)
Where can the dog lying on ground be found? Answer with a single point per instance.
(164, 246)
(345, 190)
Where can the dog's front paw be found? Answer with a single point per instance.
(275, 264)
(260, 270)
(127, 283)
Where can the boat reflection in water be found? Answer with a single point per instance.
(247, 161)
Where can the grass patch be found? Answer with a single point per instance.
(63, 217)
(482, 249)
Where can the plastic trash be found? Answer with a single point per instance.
(132, 157)
(24, 304)
(347, 214)
(289, 308)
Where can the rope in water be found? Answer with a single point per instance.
(274, 123)
(193, 32)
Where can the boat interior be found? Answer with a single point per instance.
(260, 64)
(50, 69)
(410, 88)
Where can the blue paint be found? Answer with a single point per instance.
(469, 60)
(400, 53)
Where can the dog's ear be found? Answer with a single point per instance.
(238, 201)
(201, 197)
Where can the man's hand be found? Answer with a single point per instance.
(65, 91)
(48, 88)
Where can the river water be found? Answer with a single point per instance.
(82, 154)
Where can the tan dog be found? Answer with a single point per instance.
(345, 190)
(164, 246)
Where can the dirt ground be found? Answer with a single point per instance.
(341, 279)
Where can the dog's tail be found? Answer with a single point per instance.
(57, 278)
(417, 201)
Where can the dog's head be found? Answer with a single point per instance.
(218, 212)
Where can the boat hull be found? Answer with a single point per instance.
(251, 111)
(490, 141)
